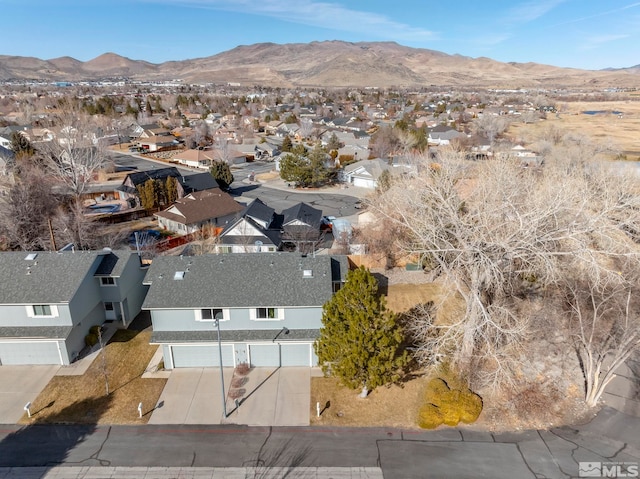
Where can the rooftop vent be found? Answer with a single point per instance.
(307, 273)
(178, 275)
(31, 256)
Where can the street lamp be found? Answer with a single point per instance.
(224, 397)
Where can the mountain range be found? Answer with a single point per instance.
(323, 64)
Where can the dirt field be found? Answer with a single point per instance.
(620, 129)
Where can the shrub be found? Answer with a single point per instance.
(91, 339)
(94, 330)
(444, 405)
(430, 417)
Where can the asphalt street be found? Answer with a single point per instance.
(338, 205)
(444, 453)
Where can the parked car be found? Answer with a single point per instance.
(326, 223)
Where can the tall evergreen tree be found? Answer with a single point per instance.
(360, 341)
(287, 145)
(221, 171)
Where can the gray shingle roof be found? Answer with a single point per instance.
(239, 280)
(36, 332)
(303, 212)
(50, 278)
(258, 210)
(235, 335)
(113, 263)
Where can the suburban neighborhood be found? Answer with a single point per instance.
(432, 267)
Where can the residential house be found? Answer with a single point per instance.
(195, 158)
(301, 227)
(129, 187)
(256, 230)
(443, 135)
(266, 308)
(209, 208)
(365, 173)
(50, 300)
(156, 143)
(128, 190)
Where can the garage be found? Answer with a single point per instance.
(31, 352)
(280, 354)
(201, 355)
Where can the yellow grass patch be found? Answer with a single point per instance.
(83, 399)
(402, 297)
(393, 406)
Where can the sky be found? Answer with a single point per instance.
(588, 34)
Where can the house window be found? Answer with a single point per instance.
(212, 314)
(108, 306)
(224, 249)
(42, 311)
(107, 281)
(267, 314)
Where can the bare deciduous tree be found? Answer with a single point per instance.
(498, 233)
(605, 323)
(490, 126)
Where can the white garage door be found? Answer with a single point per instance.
(274, 355)
(36, 352)
(201, 356)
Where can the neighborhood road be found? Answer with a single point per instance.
(331, 203)
(447, 453)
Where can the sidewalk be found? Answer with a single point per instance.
(95, 472)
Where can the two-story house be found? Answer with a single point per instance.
(50, 300)
(265, 307)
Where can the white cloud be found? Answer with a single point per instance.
(597, 40)
(600, 14)
(313, 13)
(527, 12)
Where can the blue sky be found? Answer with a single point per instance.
(590, 34)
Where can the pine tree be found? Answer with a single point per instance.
(221, 171)
(360, 341)
(287, 144)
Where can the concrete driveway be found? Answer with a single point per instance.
(267, 397)
(20, 385)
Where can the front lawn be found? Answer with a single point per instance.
(83, 399)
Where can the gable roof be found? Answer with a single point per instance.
(194, 155)
(246, 225)
(201, 206)
(49, 278)
(140, 177)
(198, 182)
(304, 213)
(239, 280)
(113, 262)
(257, 210)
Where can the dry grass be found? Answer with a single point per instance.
(396, 405)
(83, 399)
(393, 406)
(621, 131)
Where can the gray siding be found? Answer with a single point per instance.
(16, 315)
(239, 319)
(85, 300)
